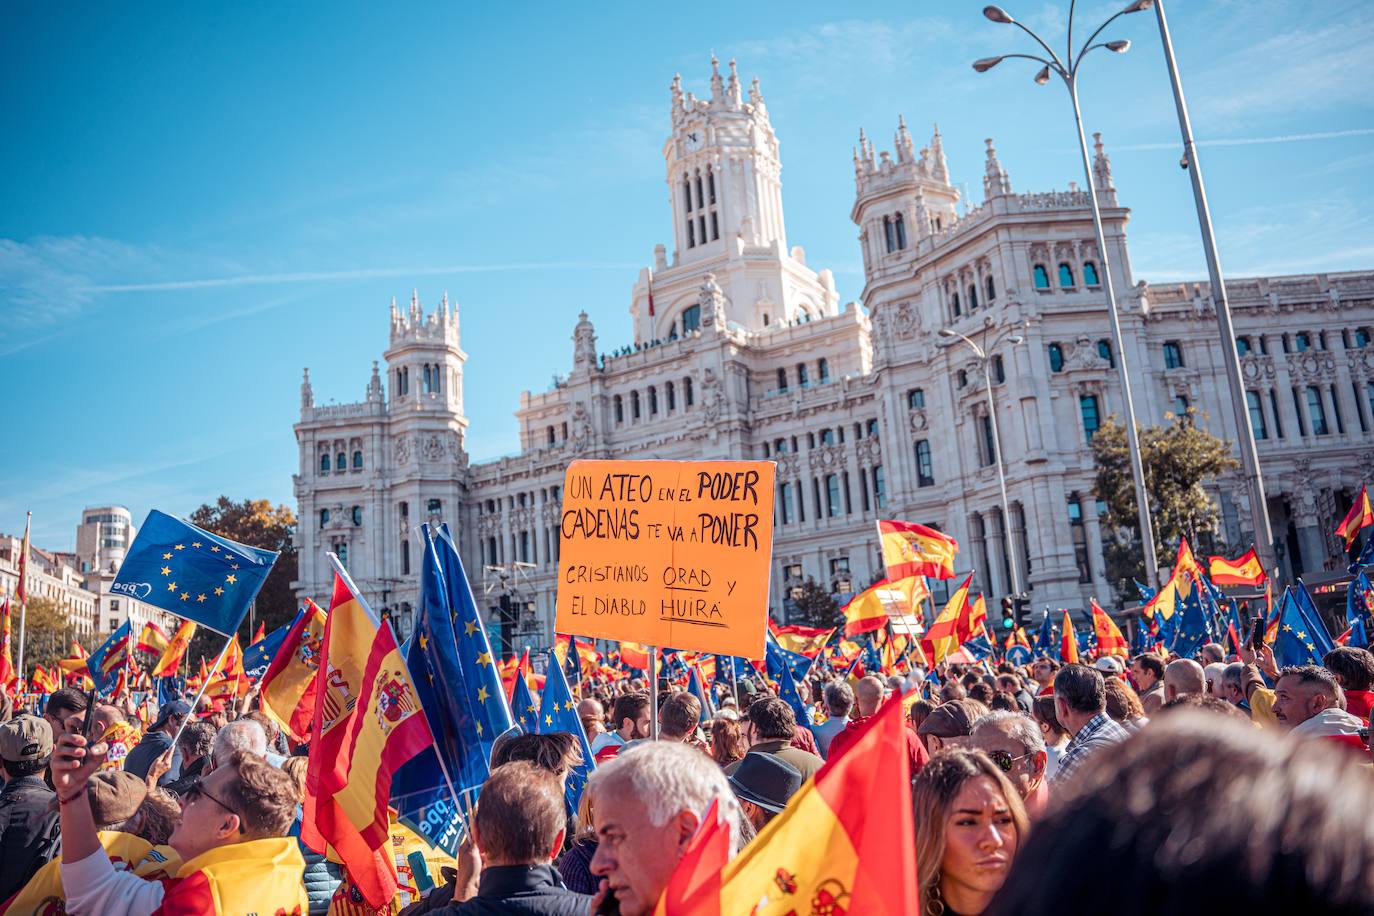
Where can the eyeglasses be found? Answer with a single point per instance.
(197, 789)
(1005, 761)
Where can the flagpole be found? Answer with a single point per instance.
(201, 692)
(24, 588)
(653, 693)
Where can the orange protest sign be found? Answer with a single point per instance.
(667, 553)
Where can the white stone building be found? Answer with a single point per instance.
(743, 351)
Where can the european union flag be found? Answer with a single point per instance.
(558, 713)
(169, 689)
(1044, 637)
(522, 704)
(1194, 628)
(104, 663)
(1295, 644)
(776, 658)
(1366, 556)
(257, 658)
(193, 573)
(978, 647)
(1359, 601)
(695, 689)
(787, 690)
(1316, 627)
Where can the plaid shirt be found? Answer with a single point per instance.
(1100, 731)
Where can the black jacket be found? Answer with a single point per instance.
(524, 890)
(29, 835)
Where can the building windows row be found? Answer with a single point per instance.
(832, 496)
(651, 403)
(827, 436)
(969, 302)
(1040, 276)
(341, 462)
(355, 515)
(703, 222)
(1055, 352)
(803, 375)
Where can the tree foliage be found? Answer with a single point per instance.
(1179, 458)
(816, 607)
(257, 523)
(48, 633)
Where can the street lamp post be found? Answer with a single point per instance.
(1069, 74)
(996, 451)
(1245, 433)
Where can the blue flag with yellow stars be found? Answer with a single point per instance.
(1045, 643)
(695, 689)
(787, 690)
(1316, 627)
(522, 706)
(1359, 603)
(1295, 644)
(104, 663)
(257, 658)
(192, 573)
(1194, 626)
(558, 713)
(776, 658)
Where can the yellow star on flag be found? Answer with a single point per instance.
(233, 566)
(482, 694)
(184, 596)
(195, 543)
(200, 598)
(469, 628)
(484, 658)
(166, 570)
(171, 586)
(214, 549)
(178, 546)
(479, 729)
(424, 641)
(230, 579)
(219, 591)
(166, 556)
(548, 719)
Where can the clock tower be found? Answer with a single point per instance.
(724, 179)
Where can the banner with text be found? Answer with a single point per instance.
(667, 553)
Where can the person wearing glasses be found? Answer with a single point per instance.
(1013, 741)
(232, 840)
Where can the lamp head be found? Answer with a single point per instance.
(997, 14)
(1119, 47)
(946, 332)
(1043, 76)
(984, 64)
(1016, 339)
(1138, 6)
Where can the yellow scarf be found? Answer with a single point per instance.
(44, 896)
(257, 876)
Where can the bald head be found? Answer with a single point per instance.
(1182, 677)
(869, 695)
(590, 708)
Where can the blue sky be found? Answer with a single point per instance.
(198, 200)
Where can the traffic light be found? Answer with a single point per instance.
(1021, 610)
(1008, 616)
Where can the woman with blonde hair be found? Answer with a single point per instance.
(969, 823)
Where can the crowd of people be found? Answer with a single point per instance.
(1148, 785)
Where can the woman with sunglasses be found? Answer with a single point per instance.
(969, 824)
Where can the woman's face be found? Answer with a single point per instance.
(980, 838)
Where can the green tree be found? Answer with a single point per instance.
(257, 523)
(1179, 458)
(48, 633)
(816, 607)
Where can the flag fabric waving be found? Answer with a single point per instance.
(192, 573)
(1244, 570)
(7, 674)
(523, 707)
(176, 650)
(1109, 638)
(949, 630)
(153, 639)
(104, 663)
(367, 724)
(1068, 642)
(1296, 644)
(910, 549)
(288, 686)
(808, 641)
(558, 713)
(257, 658)
(1360, 516)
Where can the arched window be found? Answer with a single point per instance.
(687, 392)
(1056, 357)
(710, 186)
(634, 405)
(357, 459)
(1173, 354)
(832, 495)
(687, 193)
(1042, 276)
(872, 428)
(1362, 337)
(1090, 274)
(802, 376)
(889, 234)
(779, 446)
(899, 225)
(925, 468)
(341, 549)
(340, 462)
(972, 297)
(653, 401)
(324, 517)
(999, 369)
(691, 319)
(916, 398)
(357, 515)
(424, 379)
(619, 409)
(962, 377)
(549, 436)
(782, 379)
(1104, 350)
(991, 289)
(671, 394)
(823, 370)
(324, 463)
(955, 301)
(1065, 276)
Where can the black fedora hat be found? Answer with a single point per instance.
(766, 780)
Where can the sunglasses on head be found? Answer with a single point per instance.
(1004, 760)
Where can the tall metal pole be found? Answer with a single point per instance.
(1147, 531)
(1245, 433)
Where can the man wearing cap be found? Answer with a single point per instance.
(1109, 665)
(763, 783)
(950, 724)
(28, 830)
(158, 741)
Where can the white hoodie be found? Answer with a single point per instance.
(1329, 722)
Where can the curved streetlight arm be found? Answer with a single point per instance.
(978, 351)
(1038, 40)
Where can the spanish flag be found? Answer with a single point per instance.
(866, 611)
(949, 630)
(7, 674)
(228, 680)
(176, 650)
(1244, 570)
(844, 844)
(45, 680)
(910, 549)
(1185, 562)
(808, 641)
(1068, 642)
(1109, 638)
(368, 723)
(289, 685)
(153, 639)
(635, 655)
(1360, 516)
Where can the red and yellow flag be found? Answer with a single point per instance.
(260, 635)
(1068, 642)
(1109, 638)
(228, 679)
(74, 666)
(1244, 570)
(45, 680)
(153, 639)
(979, 615)
(7, 674)
(176, 650)
(635, 655)
(845, 842)
(1360, 516)
(910, 549)
(368, 723)
(289, 685)
(21, 591)
(866, 611)
(949, 630)
(808, 641)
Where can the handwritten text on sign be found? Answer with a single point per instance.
(667, 553)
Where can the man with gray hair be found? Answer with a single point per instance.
(239, 735)
(839, 701)
(1017, 747)
(649, 802)
(1183, 676)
